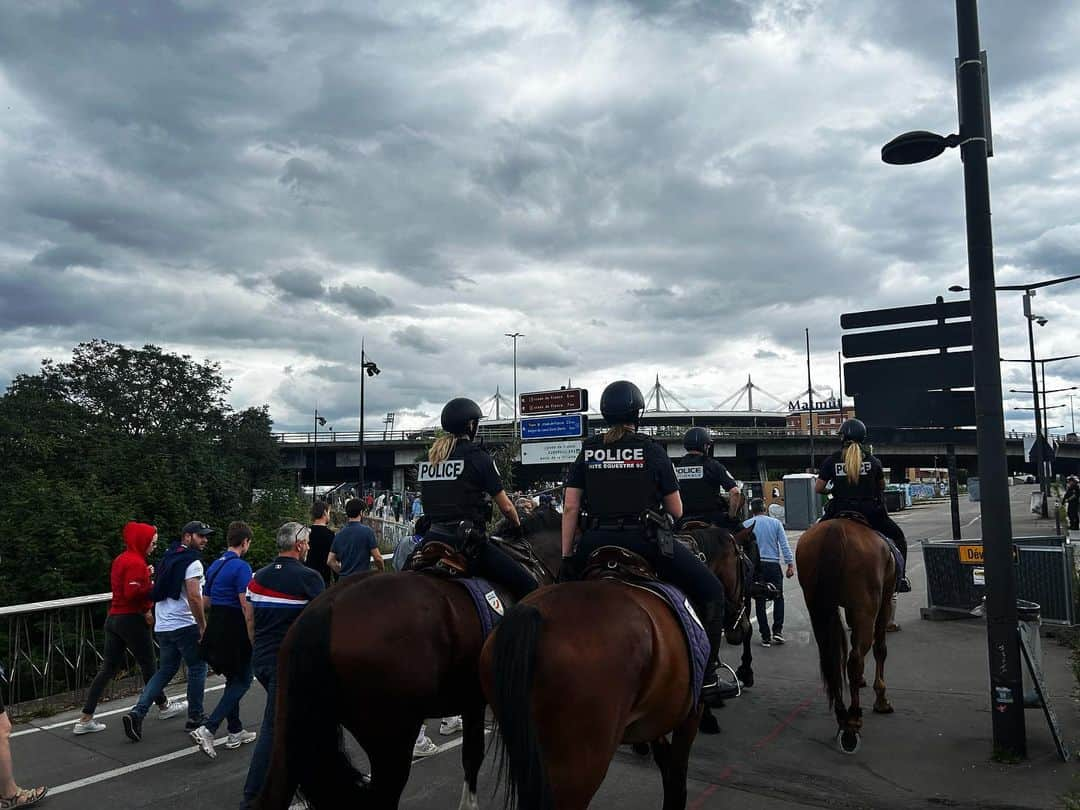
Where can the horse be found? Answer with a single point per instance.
(577, 669)
(844, 563)
(377, 654)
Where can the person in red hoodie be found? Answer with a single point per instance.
(128, 624)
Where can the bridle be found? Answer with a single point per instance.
(738, 604)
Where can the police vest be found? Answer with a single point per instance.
(618, 483)
(450, 490)
(866, 490)
(699, 497)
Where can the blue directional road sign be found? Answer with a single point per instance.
(570, 426)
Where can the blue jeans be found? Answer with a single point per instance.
(771, 572)
(228, 707)
(264, 743)
(177, 645)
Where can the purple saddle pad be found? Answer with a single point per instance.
(490, 603)
(696, 640)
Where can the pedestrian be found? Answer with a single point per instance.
(1071, 500)
(11, 795)
(226, 645)
(278, 592)
(407, 545)
(321, 537)
(395, 504)
(417, 507)
(369, 503)
(773, 546)
(354, 546)
(179, 623)
(127, 627)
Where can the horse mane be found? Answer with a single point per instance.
(541, 518)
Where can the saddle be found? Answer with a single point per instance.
(521, 552)
(858, 517)
(615, 562)
(440, 560)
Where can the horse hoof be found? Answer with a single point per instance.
(709, 724)
(848, 741)
(883, 708)
(641, 749)
(746, 678)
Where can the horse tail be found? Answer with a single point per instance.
(308, 754)
(514, 665)
(825, 613)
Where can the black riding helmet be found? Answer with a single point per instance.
(458, 413)
(853, 430)
(621, 403)
(697, 438)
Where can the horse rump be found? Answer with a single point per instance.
(513, 669)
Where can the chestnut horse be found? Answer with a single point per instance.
(575, 670)
(377, 654)
(843, 563)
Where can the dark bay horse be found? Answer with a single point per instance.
(377, 654)
(844, 564)
(575, 670)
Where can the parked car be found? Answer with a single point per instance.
(1029, 479)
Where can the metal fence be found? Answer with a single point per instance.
(388, 533)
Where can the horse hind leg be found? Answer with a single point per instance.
(881, 703)
(391, 761)
(472, 751)
(851, 725)
(673, 759)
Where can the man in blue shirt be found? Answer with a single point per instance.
(354, 546)
(277, 593)
(774, 547)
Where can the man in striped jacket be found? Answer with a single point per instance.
(277, 593)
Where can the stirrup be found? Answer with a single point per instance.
(713, 693)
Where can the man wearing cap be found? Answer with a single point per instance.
(1072, 501)
(179, 622)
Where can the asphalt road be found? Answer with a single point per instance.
(776, 749)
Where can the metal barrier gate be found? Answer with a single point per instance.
(1045, 573)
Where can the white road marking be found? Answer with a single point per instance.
(71, 722)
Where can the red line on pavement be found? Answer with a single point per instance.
(787, 721)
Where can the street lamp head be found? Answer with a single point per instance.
(1040, 321)
(957, 288)
(371, 369)
(916, 147)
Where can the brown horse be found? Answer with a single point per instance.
(844, 563)
(377, 654)
(578, 669)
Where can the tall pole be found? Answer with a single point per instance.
(1046, 462)
(514, 336)
(1072, 413)
(1040, 475)
(315, 460)
(363, 374)
(950, 449)
(810, 398)
(1003, 643)
(840, 372)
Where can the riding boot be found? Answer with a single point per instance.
(713, 691)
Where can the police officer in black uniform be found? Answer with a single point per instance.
(615, 479)
(863, 495)
(701, 479)
(458, 484)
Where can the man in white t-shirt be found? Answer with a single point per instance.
(179, 623)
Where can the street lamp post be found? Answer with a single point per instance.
(515, 336)
(1003, 645)
(367, 369)
(810, 398)
(315, 457)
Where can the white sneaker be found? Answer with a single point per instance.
(425, 748)
(89, 727)
(241, 737)
(205, 740)
(171, 709)
(450, 725)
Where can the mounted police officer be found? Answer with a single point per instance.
(701, 479)
(458, 483)
(858, 482)
(615, 480)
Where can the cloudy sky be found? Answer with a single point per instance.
(639, 186)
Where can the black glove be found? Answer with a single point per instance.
(568, 569)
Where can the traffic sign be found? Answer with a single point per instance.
(898, 315)
(922, 372)
(563, 452)
(912, 339)
(931, 409)
(561, 400)
(567, 426)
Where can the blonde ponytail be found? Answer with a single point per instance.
(616, 432)
(853, 462)
(442, 448)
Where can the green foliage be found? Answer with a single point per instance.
(506, 461)
(121, 434)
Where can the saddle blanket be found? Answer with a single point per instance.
(900, 572)
(490, 604)
(696, 641)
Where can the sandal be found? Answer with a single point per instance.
(23, 798)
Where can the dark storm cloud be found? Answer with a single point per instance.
(62, 257)
(413, 337)
(300, 283)
(362, 301)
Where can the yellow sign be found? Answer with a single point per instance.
(973, 554)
